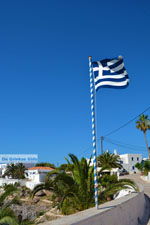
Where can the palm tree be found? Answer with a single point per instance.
(73, 189)
(47, 164)
(142, 125)
(20, 171)
(139, 166)
(110, 186)
(15, 171)
(10, 170)
(108, 161)
(7, 216)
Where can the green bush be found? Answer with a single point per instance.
(139, 166)
(107, 180)
(69, 206)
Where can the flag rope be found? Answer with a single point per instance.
(93, 96)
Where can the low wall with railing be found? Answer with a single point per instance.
(131, 209)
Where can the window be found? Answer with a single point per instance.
(137, 158)
(132, 167)
(132, 158)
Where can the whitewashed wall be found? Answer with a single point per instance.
(129, 210)
(28, 184)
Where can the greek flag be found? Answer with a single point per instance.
(110, 73)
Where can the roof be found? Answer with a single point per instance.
(130, 154)
(40, 168)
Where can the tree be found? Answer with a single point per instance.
(47, 164)
(108, 161)
(73, 187)
(7, 199)
(20, 171)
(110, 186)
(139, 166)
(15, 171)
(7, 216)
(10, 170)
(142, 125)
(144, 166)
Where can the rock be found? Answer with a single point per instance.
(48, 193)
(27, 212)
(36, 200)
(55, 211)
(41, 219)
(30, 211)
(40, 193)
(51, 216)
(47, 217)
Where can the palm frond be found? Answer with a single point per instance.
(46, 186)
(8, 220)
(4, 212)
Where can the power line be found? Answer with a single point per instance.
(123, 143)
(85, 151)
(126, 146)
(114, 131)
(123, 146)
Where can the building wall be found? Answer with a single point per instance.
(28, 184)
(42, 177)
(4, 181)
(2, 166)
(37, 175)
(129, 161)
(33, 175)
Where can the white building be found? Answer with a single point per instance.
(3, 166)
(111, 172)
(36, 175)
(2, 169)
(128, 162)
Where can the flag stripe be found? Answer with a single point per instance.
(118, 68)
(110, 77)
(110, 72)
(114, 64)
(112, 83)
(113, 80)
(115, 73)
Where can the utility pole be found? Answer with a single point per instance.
(101, 140)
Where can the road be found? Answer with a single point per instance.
(137, 179)
(146, 186)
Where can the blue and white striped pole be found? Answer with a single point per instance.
(93, 96)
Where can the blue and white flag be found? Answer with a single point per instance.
(110, 73)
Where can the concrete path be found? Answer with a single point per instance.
(146, 186)
(137, 179)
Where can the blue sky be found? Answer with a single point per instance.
(44, 80)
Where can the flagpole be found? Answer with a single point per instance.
(93, 110)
